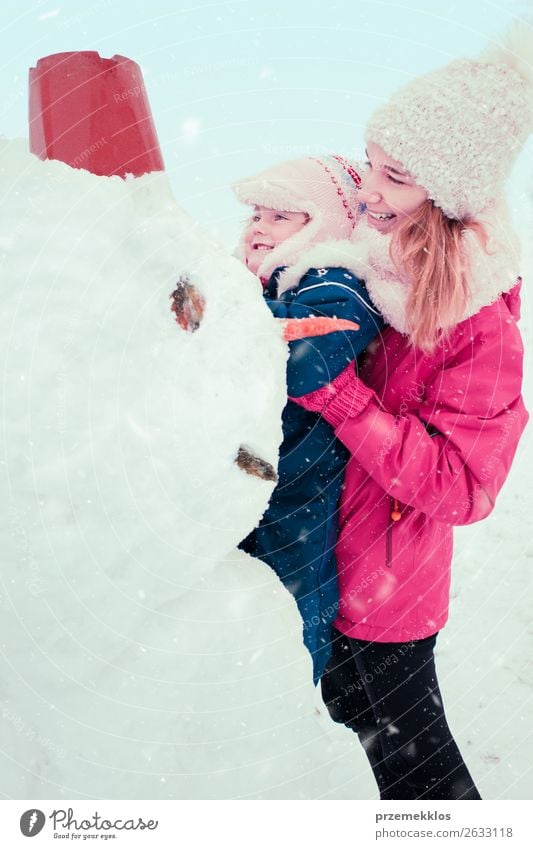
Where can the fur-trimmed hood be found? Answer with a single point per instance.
(325, 188)
(367, 256)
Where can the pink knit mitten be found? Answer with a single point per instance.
(345, 396)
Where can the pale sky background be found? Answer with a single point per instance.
(235, 86)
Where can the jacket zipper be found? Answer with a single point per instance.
(394, 516)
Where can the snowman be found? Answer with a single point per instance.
(143, 655)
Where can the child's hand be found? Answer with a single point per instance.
(300, 328)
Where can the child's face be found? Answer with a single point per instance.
(388, 190)
(267, 229)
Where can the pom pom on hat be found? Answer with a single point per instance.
(458, 130)
(515, 51)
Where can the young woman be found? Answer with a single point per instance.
(433, 417)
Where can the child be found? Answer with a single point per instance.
(304, 211)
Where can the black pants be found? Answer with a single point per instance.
(388, 694)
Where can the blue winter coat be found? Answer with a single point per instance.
(298, 531)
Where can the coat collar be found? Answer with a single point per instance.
(366, 255)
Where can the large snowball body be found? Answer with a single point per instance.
(142, 656)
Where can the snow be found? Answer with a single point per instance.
(135, 645)
(190, 129)
(142, 655)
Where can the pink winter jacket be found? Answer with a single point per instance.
(434, 445)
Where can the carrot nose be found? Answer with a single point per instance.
(300, 328)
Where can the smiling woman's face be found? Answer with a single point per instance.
(267, 229)
(388, 190)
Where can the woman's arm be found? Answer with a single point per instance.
(450, 458)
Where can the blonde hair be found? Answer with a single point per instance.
(429, 248)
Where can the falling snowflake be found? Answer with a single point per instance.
(190, 129)
(53, 13)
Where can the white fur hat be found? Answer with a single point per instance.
(458, 130)
(326, 188)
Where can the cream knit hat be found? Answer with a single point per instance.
(458, 130)
(326, 188)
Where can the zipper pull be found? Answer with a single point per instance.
(395, 513)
